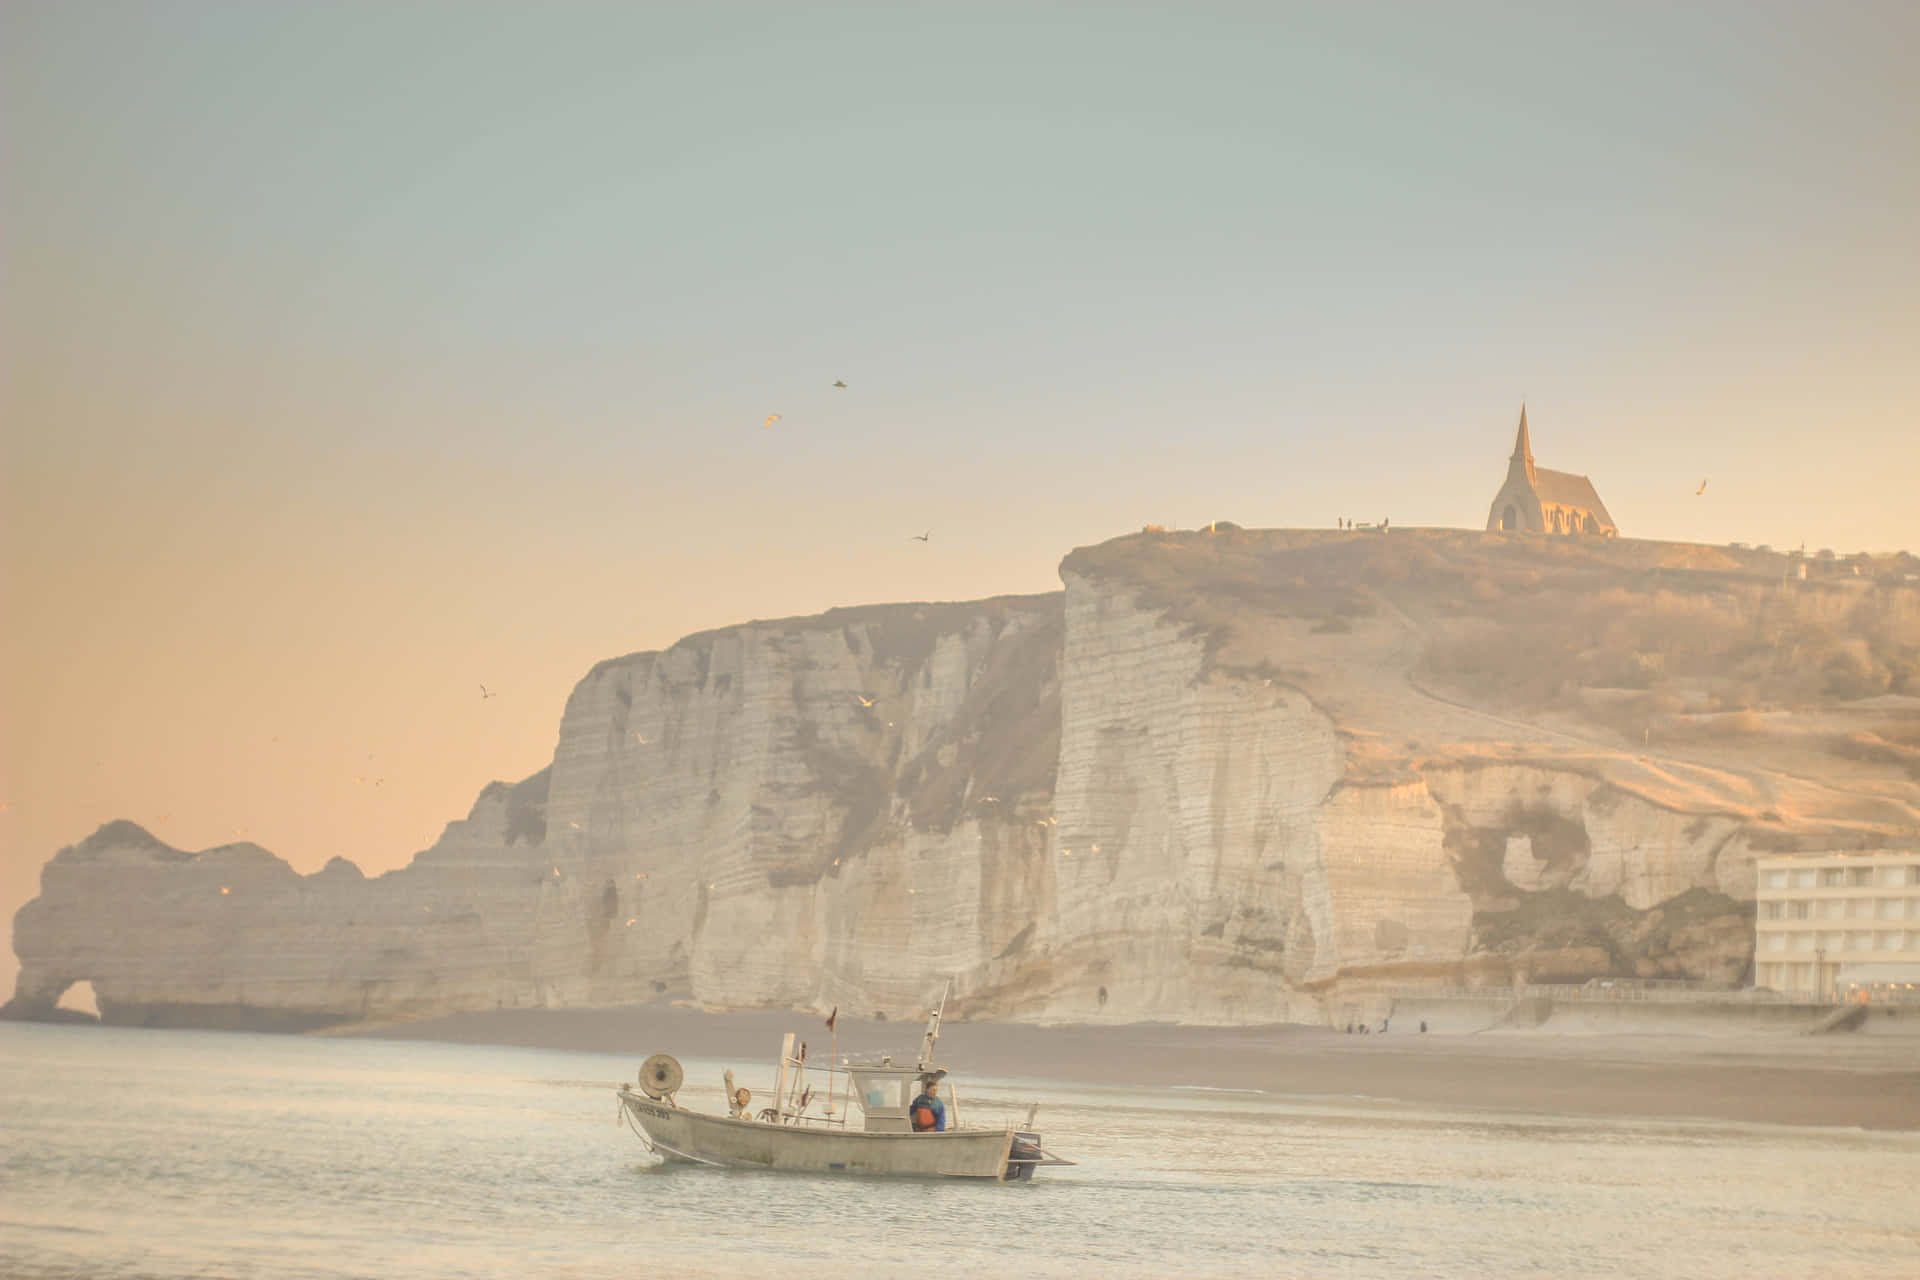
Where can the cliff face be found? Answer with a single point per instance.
(829, 809)
(1213, 781)
(1210, 861)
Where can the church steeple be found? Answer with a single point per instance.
(1537, 500)
(1522, 459)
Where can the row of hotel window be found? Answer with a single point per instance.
(1842, 909)
(1842, 877)
(1883, 940)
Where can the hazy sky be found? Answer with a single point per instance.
(357, 355)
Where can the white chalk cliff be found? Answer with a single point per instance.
(1181, 790)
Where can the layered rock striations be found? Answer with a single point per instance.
(1221, 778)
(824, 809)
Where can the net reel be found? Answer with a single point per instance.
(661, 1077)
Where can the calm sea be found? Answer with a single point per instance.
(176, 1154)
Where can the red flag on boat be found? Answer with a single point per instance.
(833, 1017)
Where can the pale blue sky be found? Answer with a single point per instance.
(352, 348)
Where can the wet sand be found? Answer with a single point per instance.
(1845, 1080)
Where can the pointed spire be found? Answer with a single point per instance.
(1521, 462)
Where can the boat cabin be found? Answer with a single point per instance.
(887, 1092)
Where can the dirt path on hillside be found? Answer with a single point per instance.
(1769, 782)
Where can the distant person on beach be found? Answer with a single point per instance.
(929, 1111)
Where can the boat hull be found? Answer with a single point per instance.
(679, 1134)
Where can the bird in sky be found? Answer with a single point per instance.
(839, 385)
(922, 537)
(1702, 489)
(642, 738)
(771, 419)
(485, 693)
(865, 701)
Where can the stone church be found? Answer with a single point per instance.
(1536, 500)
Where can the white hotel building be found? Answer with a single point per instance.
(1841, 925)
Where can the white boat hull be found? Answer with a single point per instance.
(679, 1134)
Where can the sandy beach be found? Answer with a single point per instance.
(1870, 1082)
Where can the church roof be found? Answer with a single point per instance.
(1564, 490)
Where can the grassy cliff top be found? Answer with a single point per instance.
(1425, 641)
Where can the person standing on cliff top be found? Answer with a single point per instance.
(929, 1111)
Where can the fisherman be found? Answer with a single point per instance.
(929, 1111)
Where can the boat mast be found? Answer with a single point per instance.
(780, 1080)
(933, 1027)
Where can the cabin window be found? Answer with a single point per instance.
(884, 1093)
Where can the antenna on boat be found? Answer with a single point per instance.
(933, 1027)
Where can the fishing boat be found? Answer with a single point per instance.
(810, 1123)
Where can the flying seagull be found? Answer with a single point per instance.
(485, 693)
(864, 700)
(1702, 489)
(921, 537)
(771, 419)
(839, 385)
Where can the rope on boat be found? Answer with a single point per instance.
(625, 1115)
